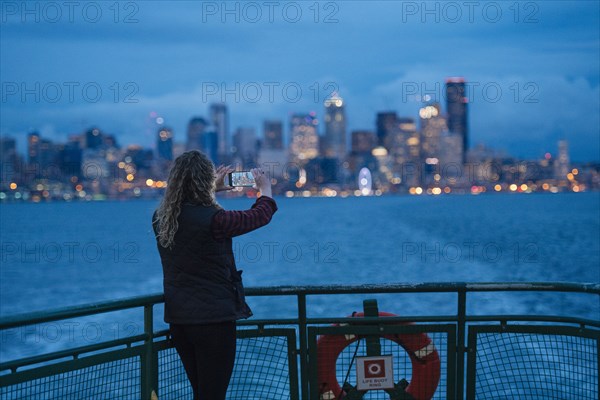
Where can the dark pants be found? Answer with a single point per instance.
(207, 353)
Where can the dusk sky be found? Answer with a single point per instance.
(533, 67)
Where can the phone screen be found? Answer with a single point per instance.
(241, 178)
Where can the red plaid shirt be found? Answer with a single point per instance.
(227, 224)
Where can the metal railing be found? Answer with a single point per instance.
(481, 356)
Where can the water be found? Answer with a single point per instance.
(63, 254)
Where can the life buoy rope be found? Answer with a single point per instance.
(424, 358)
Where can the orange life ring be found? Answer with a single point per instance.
(423, 355)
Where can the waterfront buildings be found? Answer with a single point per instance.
(403, 156)
(304, 140)
(219, 119)
(335, 128)
(457, 108)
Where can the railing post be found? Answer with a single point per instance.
(304, 377)
(149, 362)
(373, 344)
(461, 319)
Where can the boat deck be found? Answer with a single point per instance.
(455, 356)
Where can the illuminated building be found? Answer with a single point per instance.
(43, 155)
(304, 142)
(456, 106)
(451, 157)
(404, 148)
(403, 141)
(433, 125)
(433, 128)
(140, 158)
(363, 143)
(335, 127)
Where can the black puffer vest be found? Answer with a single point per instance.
(201, 282)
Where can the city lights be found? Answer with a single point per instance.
(429, 155)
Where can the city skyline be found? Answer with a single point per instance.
(224, 137)
(533, 68)
(210, 119)
(399, 155)
(221, 128)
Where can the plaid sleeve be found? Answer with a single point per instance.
(227, 224)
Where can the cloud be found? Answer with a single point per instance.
(374, 51)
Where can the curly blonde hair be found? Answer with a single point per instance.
(191, 180)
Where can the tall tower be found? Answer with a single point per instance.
(245, 145)
(433, 126)
(363, 142)
(456, 105)
(220, 121)
(9, 165)
(403, 141)
(273, 135)
(304, 143)
(195, 131)
(335, 127)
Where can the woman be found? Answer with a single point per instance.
(203, 290)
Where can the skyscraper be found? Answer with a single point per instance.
(403, 141)
(335, 127)
(93, 138)
(272, 157)
(220, 121)
(245, 144)
(209, 144)
(403, 145)
(456, 105)
(71, 158)
(451, 154)
(9, 167)
(195, 130)
(48, 154)
(304, 143)
(361, 156)
(363, 142)
(433, 126)
(273, 135)
(164, 144)
(385, 124)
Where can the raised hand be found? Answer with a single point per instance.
(221, 173)
(263, 182)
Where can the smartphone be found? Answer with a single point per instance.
(241, 179)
